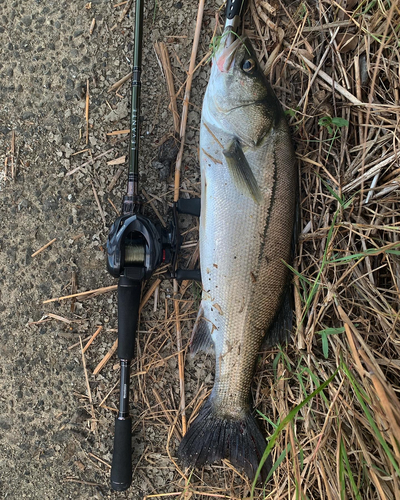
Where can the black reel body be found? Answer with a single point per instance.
(136, 247)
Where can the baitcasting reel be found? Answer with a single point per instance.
(136, 246)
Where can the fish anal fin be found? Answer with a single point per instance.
(241, 171)
(281, 327)
(201, 335)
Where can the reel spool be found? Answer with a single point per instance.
(134, 254)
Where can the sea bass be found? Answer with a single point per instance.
(248, 205)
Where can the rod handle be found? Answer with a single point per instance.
(121, 469)
(128, 315)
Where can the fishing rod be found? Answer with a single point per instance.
(233, 15)
(136, 247)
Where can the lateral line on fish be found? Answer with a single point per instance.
(270, 209)
(211, 157)
(212, 134)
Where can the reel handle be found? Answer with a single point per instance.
(188, 274)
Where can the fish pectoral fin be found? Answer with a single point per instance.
(241, 171)
(201, 336)
(281, 327)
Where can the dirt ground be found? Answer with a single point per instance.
(47, 56)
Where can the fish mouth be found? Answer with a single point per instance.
(227, 57)
(243, 104)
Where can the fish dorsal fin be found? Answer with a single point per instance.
(201, 336)
(241, 170)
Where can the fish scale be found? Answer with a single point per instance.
(249, 186)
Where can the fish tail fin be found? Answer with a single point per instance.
(212, 437)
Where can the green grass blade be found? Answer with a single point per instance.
(301, 383)
(342, 481)
(316, 284)
(283, 424)
(370, 419)
(267, 419)
(325, 345)
(332, 191)
(275, 364)
(332, 331)
(345, 459)
(324, 338)
(297, 273)
(366, 253)
(317, 383)
(278, 461)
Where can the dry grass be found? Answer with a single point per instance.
(344, 441)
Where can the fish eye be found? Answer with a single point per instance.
(249, 65)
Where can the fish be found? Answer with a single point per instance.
(247, 234)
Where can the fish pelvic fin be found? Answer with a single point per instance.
(241, 171)
(201, 335)
(213, 436)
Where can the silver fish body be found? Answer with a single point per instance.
(249, 188)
